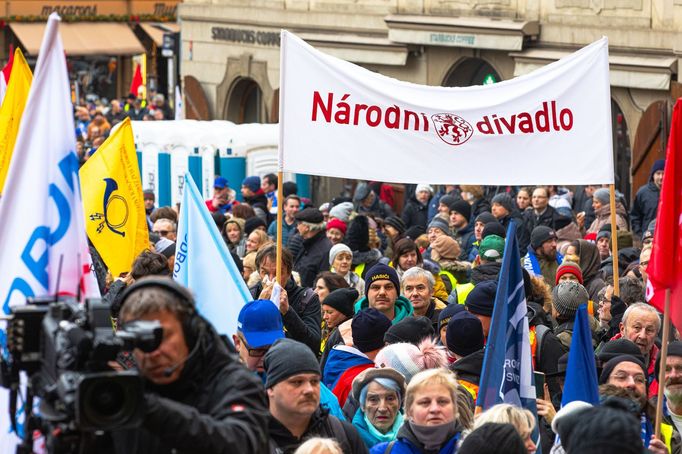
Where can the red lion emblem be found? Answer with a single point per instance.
(452, 129)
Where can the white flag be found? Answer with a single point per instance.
(204, 265)
(42, 232)
(552, 126)
(179, 106)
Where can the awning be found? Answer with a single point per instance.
(359, 49)
(156, 30)
(650, 72)
(470, 32)
(83, 38)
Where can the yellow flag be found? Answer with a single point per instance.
(12, 108)
(115, 219)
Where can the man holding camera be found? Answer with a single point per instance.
(198, 397)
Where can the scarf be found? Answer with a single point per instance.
(433, 437)
(388, 436)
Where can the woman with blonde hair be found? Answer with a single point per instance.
(431, 419)
(319, 446)
(521, 418)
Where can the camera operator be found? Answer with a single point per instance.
(198, 397)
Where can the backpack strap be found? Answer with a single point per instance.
(540, 331)
(389, 447)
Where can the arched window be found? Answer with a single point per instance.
(471, 71)
(245, 104)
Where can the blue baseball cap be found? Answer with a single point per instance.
(261, 323)
(220, 182)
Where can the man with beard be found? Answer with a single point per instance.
(641, 325)
(293, 388)
(626, 371)
(542, 257)
(672, 417)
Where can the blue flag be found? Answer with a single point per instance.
(507, 374)
(581, 372)
(204, 265)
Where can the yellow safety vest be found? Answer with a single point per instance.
(463, 291)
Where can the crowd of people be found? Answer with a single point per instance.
(95, 117)
(377, 339)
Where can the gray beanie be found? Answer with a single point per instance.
(286, 358)
(603, 195)
(341, 211)
(505, 200)
(440, 223)
(567, 297)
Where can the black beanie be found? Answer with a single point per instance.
(462, 207)
(485, 217)
(343, 300)
(286, 358)
(606, 430)
(613, 362)
(396, 223)
(481, 299)
(410, 329)
(252, 224)
(618, 347)
(539, 235)
(464, 335)
(368, 328)
(674, 349)
(447, 313)
(448, 200)
(357, 235)
(381, 272)
(490, 438)
(493, 228)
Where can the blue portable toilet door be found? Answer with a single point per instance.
(150, 169)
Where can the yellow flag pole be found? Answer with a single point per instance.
(664, 357)
(614, 239)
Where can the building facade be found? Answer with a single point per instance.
(232, 48)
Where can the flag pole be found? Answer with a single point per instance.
(614, 239)
(280, 157)
(664, 357)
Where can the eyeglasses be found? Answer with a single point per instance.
(162, 232)
(254, 352)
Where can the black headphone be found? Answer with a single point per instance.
(193, 326)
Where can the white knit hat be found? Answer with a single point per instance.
(336, 250)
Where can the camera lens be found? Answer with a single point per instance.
(107, 398)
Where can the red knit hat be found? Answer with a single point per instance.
(569, 268)
(337, 224)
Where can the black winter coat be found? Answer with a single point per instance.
(415, 214)
(216, 406)
(644, 208)
(303, 319)
(321, 425)
(549, 218)
(313, 258)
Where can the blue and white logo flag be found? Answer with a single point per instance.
(507, 374)
(204, 265)
(44, 245)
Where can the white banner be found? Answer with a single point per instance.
(552, 126)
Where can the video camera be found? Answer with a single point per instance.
(65, 349)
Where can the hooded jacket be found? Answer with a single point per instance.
(313, 258)
(322, 425)
(403, 308)
(590, 263)
(215, 406)
(415, 213)
(603, 217)
(645, 205)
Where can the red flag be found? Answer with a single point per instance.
(665, 264)
(137, 80)
(7, 70)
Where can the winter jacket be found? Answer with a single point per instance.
(466, 238)
(550, 218)
(259, 203)
(303, 319)
(479, 206)
(407, 443)
(313, 258)
(403, 308)
(322, 425)
(644, 207)
(468, 370)
(340, 359)
(216, 406)
(485, 272)
(415, 213)
(288, 229)
(603, 217)
(379, 208)
(433, 311)
(590, 263)
(364, 260)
